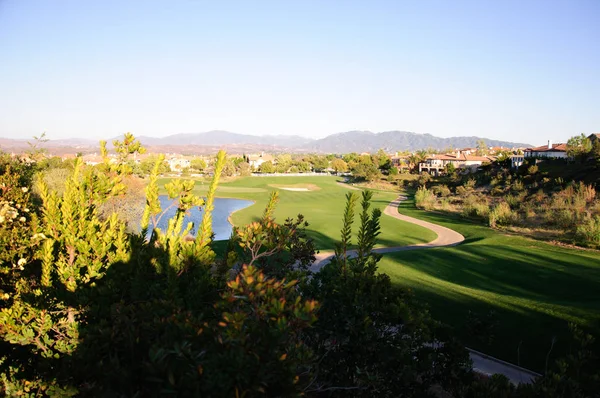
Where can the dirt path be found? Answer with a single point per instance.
(445, 236)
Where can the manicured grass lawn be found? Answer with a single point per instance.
(535, 289)
(322, 208)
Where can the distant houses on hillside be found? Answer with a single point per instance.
(177, 163)
(437, 164)
(256, 160)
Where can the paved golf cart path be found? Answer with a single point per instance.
(482, 363)
(445, 236)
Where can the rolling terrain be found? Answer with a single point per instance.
(211, 141)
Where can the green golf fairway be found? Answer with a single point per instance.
(322, 207)
(534, 288)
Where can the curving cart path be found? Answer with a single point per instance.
(482, 363)
(445, 236)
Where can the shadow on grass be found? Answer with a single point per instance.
(534, 289)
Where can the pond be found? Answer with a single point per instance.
(220, 223)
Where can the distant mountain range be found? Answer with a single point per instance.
(351, 141)
(366, 141)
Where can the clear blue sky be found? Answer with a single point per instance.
(516, 70)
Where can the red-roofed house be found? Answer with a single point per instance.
(555, 151)
(436, 164)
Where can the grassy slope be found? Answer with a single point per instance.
(534, 288)
(322, 209)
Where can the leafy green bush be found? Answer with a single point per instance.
(442, 190)
(424, 179)
(501, 214)
(589, 231)
(533, 169)
(424, 198)
(497, 191)
(517, 186)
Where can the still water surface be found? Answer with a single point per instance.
(220, 223)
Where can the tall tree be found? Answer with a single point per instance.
(579, 147)
(482, 148)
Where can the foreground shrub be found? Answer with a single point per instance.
(517, 186)
(368, 329)
(563, 218)
(424, 198)
(497, 191)
(423, 180)
(533, 169)
(589, 231)
(467, 188)
(442, 190)
(476, 209)
(501, 214)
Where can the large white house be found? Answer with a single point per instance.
(554, 151)
(256, 160)
(178, 163)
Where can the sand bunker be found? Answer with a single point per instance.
(296, 187)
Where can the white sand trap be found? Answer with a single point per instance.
(296, 189)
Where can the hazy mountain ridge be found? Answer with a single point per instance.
(366, 141)
(350, 141)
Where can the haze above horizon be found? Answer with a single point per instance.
(512, 70)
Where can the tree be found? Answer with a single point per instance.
(284, 159)
(349, 157)
(319, 163)
(198, 164)
(367, 171)
(36, 149)
(579, 147)
(303, 166)
(147, 164)
(367, 329)
(129, 146)
(229, 168)
(339, 166)
(482, 148)
(415, 158)
(266, 167)
(383, 161)
(243, 169)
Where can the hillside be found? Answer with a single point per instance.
(366, 141)
(351, 141)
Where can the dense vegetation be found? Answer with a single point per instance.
(90, 309)
(529, 200)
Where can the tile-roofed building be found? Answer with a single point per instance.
(556, 151)
(436, 164)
